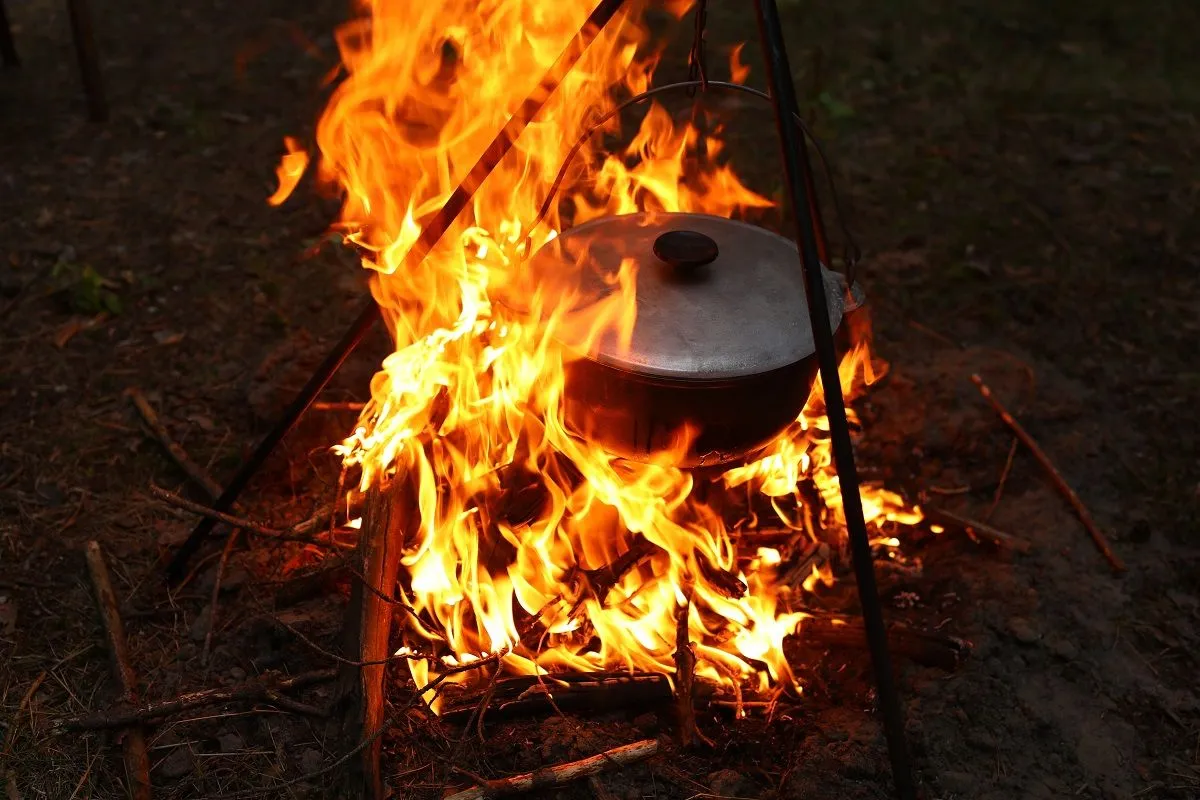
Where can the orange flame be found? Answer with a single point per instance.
(468, 406)
(290, 170)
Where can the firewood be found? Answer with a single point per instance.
(300, 532)
(579, 693)
(388, 513)
(1056, 477)
(685, 676)
(994, 535)
(603, 579)
(190, 468)
(727, 583)
(137, 758)
(797, 569)
(561, 774)
(927, 648)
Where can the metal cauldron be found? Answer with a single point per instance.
(722, 341)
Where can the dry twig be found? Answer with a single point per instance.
(561, 774)
(12, 726)
(938, 516)
(214, 600)
(193, 470)
(300, 532)
(1056, 477)
(1008, 462)
(137, 759)
(264, 688)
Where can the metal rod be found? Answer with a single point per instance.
(8, 49)
(431, 234)
(800, 188)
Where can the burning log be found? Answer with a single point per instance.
(800, 567)
(561, 774)
(388, 511)
(927, 648)
(726, 582)
(584, 693)
(603, 579)
(137, 758)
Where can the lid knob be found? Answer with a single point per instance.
(685, 250)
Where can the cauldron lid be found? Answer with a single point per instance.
(717, 299)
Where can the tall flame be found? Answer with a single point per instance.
(468, 406)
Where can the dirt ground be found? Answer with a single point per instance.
(1023, 176)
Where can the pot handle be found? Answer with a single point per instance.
(852, 252)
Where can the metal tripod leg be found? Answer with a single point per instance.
(8, 49)
(803, 201)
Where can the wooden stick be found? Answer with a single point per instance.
(25, 698)
(938, 516)
(300, 532)
(367, 629)
(1055, 476)
(137, 759)
(685, 677)
(562, 774)
(190, 468)
(927, 648)
(214, 602)
(1008, 462)
(603, 579)
(727, 583)
(259, 689)
(89, 59)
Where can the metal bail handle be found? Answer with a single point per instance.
(852, 253)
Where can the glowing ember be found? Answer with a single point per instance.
(468, 407)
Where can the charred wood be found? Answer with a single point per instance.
(583, 693)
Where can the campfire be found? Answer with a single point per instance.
(606, 468)
(530, 531)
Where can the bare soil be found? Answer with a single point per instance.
(1023, 178)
